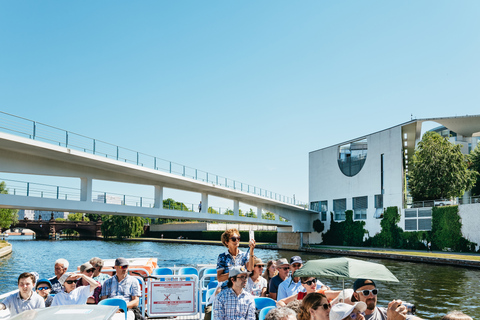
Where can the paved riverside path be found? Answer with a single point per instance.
(459, 259)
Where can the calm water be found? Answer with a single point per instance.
(435, 290)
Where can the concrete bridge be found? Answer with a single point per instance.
(45, 228)
(30, 152)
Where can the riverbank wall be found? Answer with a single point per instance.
(6, 250)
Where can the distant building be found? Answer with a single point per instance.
(368, 174)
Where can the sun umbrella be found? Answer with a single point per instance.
(345, 268)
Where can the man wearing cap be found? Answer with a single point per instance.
(122, 286)
(25, 298)
(234, 303)
(293, 285)
(61, 266)
(43, 288)
(366, 291)
(283, 269)
(97, 263)
(71, 295)
(87, 269)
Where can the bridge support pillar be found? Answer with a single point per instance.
(259, 212)
(158, 197)
(86, 189)
(286, 239)
(236, 208)
(204, 203)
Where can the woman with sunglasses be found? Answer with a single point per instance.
(270, 272)
(256, 284)
(88, 270)
(43, 288)
(314, 306)
(72, 295)
(310, 285)
(346, 311)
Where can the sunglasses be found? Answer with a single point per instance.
(366, 293)
(123, 267)
(310, 282)
(242, 277)
(235, 239)
(71, 281)
(326, 306)
(258, 266)
(43, 288)
(90, 270)
(284, 268)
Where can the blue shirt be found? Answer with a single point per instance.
(56, 286)
(228, 306)
(226, 261)
(16, 304)
(274, 283)
(125, 289)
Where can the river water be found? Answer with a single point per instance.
(434, 289)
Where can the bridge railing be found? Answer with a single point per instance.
(42, 132)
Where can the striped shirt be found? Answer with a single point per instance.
(228, 306)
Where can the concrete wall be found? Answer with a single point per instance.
(327, 182)
(470, 215)
(289, 240)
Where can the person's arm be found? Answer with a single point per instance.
(397, 311)
(221, 276)
(133, 303)
(103, 298)
(251, 261)
(93, 284)
(285, 301)
(2, 306)
(273, 290)
(264, 292)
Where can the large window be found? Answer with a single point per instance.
(339, 207)
(352, 156)
(323, 210)
(378, 206)
(360, 206)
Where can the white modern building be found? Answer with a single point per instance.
(368, 174)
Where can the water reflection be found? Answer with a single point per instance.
(435, 290)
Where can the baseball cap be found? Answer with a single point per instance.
(342, 310)
(46, 281)
(85, 266)
(296, 259)
(360, 283)
(235, 271)
(65, 277)
(258, 262)
(281, 262)
(121, 262)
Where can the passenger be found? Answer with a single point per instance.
(295, 305)
(72, 295)
(314, 306)
(61, 266)
(233, 257)
(97, 263)
(88, 270)
(283, 269)
(43, 289)
(342, 311)
(366, 291)
(234, 303)
(270, 272)
(292, 285)
(309, 284)
(256, 284)
(456, 315)
(282, 313)
(122, 286)
(25, 298)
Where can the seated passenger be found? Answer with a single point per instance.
(87, 269)
(43, 288)
(314, 306)
(122, 286)
(282, 313)
(97, 263)
(72, 295)
(61, 266)
(342, 311)
(25, 298)
(283, 269)
(256, 284)
(270, 272)
(309, 284)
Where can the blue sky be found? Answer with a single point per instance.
(244, 89)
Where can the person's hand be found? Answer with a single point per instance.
(251, 244)
(396, 311)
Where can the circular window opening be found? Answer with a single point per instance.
(352, 156)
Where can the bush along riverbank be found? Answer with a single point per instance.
(260, 236)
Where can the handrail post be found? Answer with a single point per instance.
(66, 139)
(58, 191)
(141, 202)
(117, 153)
(94, 146)
(28, 189)
(104, 197)
(34, 130)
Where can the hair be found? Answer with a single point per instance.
(230, 281)
(295, 305)
(96, 262)
(26, 275)
(227, 234)
(311, 301)
(63, 262)
(266, 273)
(280, 313)
(456, 315)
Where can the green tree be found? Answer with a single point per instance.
(173, 205)
(8, 217)
(76, 217)
(119, 227)
(268, 215)
(438, 170)
(475, 166)
(345, 233)
(92, 216)
(391, 235)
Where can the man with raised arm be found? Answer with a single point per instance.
(122, 286)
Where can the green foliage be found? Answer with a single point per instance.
(119, 227)
(439, 170)
(318, 226)
(447, 230)
(60, 219)
(76, 217)
(475, 166)
(230, 212)
(211, 210)
(92, 216)
(345, 233)
(249, 214)
(268, 215)
(391, 234)
(8, 217)
(173, 205)
(260, 236)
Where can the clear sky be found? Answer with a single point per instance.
(243, 89)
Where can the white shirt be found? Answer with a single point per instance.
(77, 296)
(255, 288)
